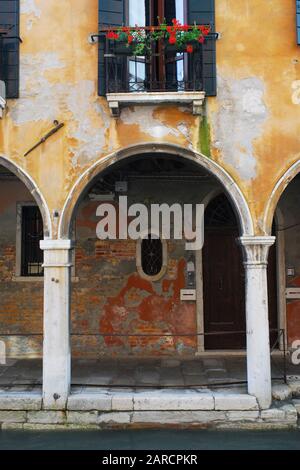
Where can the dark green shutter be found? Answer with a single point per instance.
(298, 21)
(9, 17)
(203, 12)
(111, 13)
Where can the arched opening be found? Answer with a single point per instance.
(287, 221)
(86, 180)
(24, 221)
(118, 313)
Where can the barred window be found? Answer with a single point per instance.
(31, 234)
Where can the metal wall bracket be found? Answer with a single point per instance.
(58, 125)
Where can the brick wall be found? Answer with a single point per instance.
(21, 303)
(111, 297)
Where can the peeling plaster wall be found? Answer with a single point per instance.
(252, 121)
(30, 9)
(147, 119)
(239, 121)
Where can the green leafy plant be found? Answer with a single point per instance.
(140, 40)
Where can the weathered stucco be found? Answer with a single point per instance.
(238, 122)
(252, 121)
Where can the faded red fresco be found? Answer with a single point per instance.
(139, 309)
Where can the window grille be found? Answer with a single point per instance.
(32, 233)
(152, 255)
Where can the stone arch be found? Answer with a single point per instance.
(86, 179)
(278, 190)
(23, 176)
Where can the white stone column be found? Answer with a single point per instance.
(256, 250)
(56, 349)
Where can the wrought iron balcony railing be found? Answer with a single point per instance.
(160, 67)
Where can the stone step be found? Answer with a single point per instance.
(281, 392)
(162, 400)
(296, 404)
(20, 401)
(284, 417)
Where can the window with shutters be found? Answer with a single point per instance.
(9, 48)
(164, 73)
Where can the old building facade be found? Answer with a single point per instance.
(218, 126)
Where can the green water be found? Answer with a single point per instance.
(150, 440)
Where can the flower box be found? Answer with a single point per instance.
(176, 48)
(140, 41)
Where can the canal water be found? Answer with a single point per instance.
(150, 440)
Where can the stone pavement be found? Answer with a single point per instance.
(204, 391)
(204, 371)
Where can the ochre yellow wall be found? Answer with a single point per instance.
(254, 120)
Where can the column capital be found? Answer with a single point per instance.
(61, 244)
(256, 249)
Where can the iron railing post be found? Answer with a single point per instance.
(284, 357)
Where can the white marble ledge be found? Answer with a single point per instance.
(194, 98)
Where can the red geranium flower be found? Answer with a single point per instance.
(189, 49)
(201, 39)
(172, 39)
(130, 39)
(110, 35)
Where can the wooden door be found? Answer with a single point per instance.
(224, 280)
(224, 292)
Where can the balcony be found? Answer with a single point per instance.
(154, 72)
